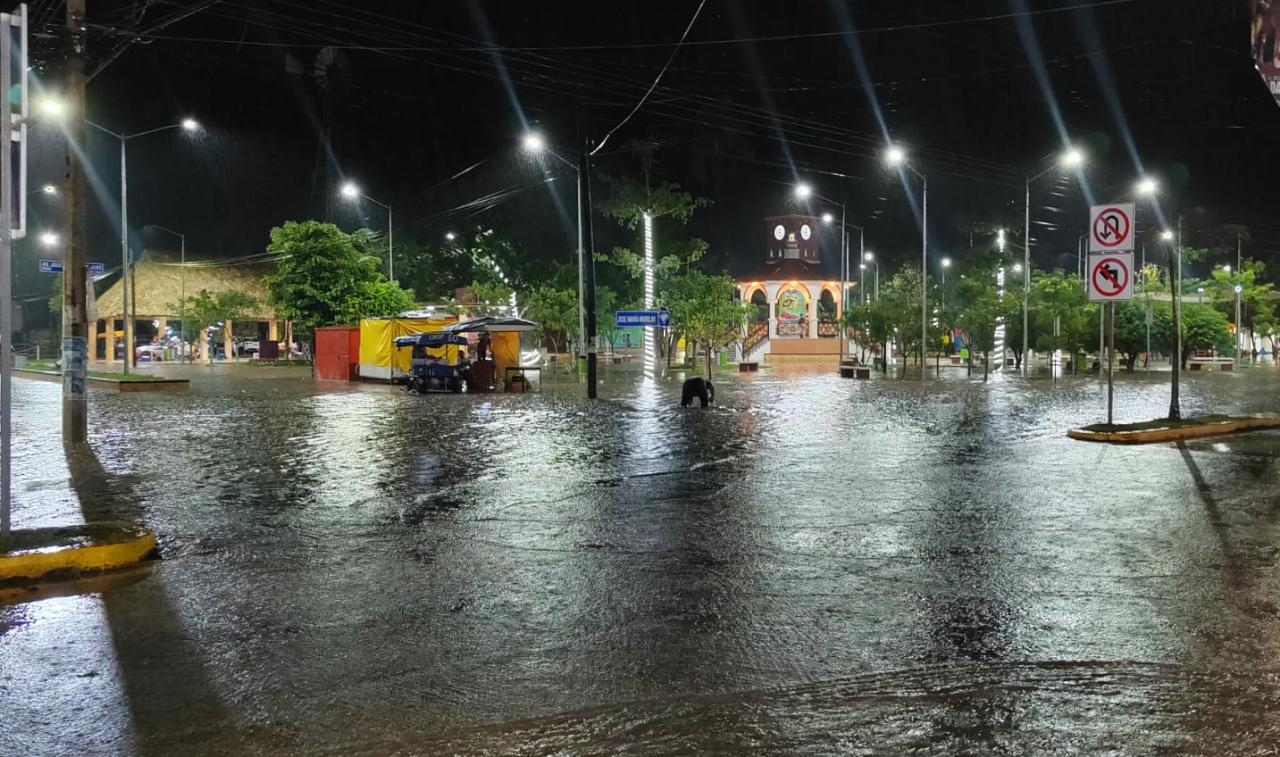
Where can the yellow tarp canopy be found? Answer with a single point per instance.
(378, 350)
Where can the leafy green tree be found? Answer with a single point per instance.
(897, 313)
(1203, 328)
(1060, 297)
(1255, 295)
(555, 310)
(323, 278)
(205, 309)
(483, 298)
(705, 311)
(979, 311)
(435, 272)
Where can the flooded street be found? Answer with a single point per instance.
(813, 566)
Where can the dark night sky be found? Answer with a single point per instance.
(735, 121)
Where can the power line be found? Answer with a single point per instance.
(656, 80)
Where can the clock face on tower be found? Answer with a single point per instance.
(794, 237)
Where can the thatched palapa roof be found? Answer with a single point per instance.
(158, 277)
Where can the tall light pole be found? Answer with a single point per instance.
(804, 192)
(1072, 158)
(351, 191)
(896, 157)
(870, 257)
(1175, 360)
(534, 143)
(129, 297)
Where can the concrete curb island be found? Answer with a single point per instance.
(1192, 428)
(69, 551)
(149, 384)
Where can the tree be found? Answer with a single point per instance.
(435, 272)
(323, 278)
(898, 313)
(483, 298)
(705, 311)
(980, 310)
(1203, 328)
(1255, 296)
(555, 309)
(205, 309)
(1060, 297)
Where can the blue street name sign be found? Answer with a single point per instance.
(55, 266)
(624, 318)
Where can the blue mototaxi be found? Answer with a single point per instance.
(436, 364)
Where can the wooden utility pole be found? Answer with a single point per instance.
(75, 347)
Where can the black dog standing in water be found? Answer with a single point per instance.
(697, 387)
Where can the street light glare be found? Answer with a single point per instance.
(49, 189)
(49, 239)
(51, 106)
(533, 142)
(190, 124)
(1072, 158)
(1147, 186)
(350, 190)
(946, 262)
(803, 191)
(828, 219)
(1166, 235)
(449, 235)
(869, 256)
(895, 156)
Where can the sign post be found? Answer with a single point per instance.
(1110, 274)
(631, 318)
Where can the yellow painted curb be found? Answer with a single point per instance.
(1156, 435)
(77, 549)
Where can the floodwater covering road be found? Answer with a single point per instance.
(814, 566)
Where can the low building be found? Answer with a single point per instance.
(160, 283)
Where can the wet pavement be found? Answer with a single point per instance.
(813, 566)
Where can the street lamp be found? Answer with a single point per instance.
(534, 143)
(449, 235)
(1147, 186)
(49, 189)
(871, 258)
(804, 192)
(946, 263)
(351, 191)
(1073, 157)
(49, 239)
(129, 303)
(896, 157)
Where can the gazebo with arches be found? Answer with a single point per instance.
(795, 292)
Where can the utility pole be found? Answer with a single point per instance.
(589, 272)
(1175, 407)
(75, 348)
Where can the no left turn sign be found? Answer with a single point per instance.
(1111, 277)
(1111, 228)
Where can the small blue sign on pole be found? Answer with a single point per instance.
(55, 266)
(629, 318)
